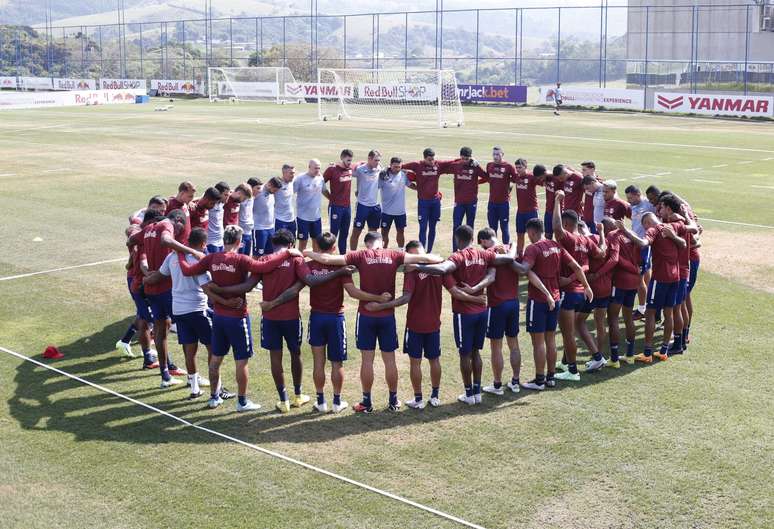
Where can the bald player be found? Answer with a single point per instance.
(308, 188)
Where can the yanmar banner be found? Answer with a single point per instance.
(398, 91)
(173, 86)
(74, 84)
(714, 104)
(121, 84)
(595, 97)
(474, 93)
(319, 90)
(21, 100)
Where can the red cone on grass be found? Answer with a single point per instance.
(52, 353)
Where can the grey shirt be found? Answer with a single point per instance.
(308, 191)
(367, 184)
(599, 204)
(393, 192)
(263, 210)
(187, 293)
(246, 215)
(638, 211)
(215, 225)
(283, 203)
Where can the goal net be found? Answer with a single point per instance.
(260, 83)
(427, 96)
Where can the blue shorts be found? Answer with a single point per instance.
(161, 305)
(415, 344)
(211, 248)
(623, 297)
(693, 276)
(309, 228)
(573, 301)
(539, 318)
(548, 224)
(282, 225)
(503, 320)
(469, 332)
(247, 243)
(598, 303)
(369, 329)
(273, 332)
(661, 295)
(340, 216)
(232, 333)
(368, 215)
(645, 260)
(328, 330)
(400, 221)
(522, 218)
(141, 304)
(262, 242)
(429, 210)
(193, 327)
(682, 291)
(497, 214)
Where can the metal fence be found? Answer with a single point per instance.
(691, 48)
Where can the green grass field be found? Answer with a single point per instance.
(682, 444)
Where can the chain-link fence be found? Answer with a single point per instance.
(691, 48)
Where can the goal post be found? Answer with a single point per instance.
(404, 95)
(257, 83)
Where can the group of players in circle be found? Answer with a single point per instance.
(192, 261)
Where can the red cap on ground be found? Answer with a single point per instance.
(52, 353)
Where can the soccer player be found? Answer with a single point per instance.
(158, 239)
(231, 328)
(473, 270)
(233, 205)
(547, 180)
(545, 258)
(143, 318)
(246, 218)
(422, 293)
(499, 174)
(189, 307)
(638, 208)
(377, 267)
(626, 282)
(503, 314)
(200, 209)
(593, 197)
(284, 215)
(570, 182)
(308, 188)
(368, 212)
(181, 201)
(600, 277)
(615, 208)
(393, 182)
(339, 178)
(467, 172)
(526, 200)
(263, 214)
(558, 97)
(576, 292)
(215, 221)
(665, 242)
(426, 173)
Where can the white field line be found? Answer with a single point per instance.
(663, 174)
(30, 274)
(767, 159)
(8, 174)
(718, 166)
(736, 223)
(706, 181)
(58, 170)
(763, 187)
(245, 444)
(692, 169)
(745, 162)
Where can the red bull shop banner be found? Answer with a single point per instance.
(21, 100)
(173, 86)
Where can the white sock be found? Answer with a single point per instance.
(194, 381)
(641, 308)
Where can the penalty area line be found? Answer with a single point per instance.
(245, 444)
(30, 274)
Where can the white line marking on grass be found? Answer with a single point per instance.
(736, 223)
(252, 446)
(707, 181)
(718, 166)
(745, 162)
(8, 278)
(692, 169)
(763, 187)
(767, 159)
(664, 173)
(640, 177)
(60, 170)
(8, 174)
